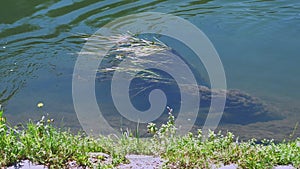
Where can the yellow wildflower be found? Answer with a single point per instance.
(40, 105)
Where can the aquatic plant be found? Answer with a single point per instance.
(137, 52)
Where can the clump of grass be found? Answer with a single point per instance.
(197, 151)
(10, 147)
(44, 144)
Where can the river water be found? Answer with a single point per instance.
(257, 41)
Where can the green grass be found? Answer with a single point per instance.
(42, 143)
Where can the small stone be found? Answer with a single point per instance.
(98, 154)
(284, 167)
(72, 164)
(99, 157)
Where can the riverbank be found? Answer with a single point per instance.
(42, 143)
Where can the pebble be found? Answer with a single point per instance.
(284, 167)
(27, 164)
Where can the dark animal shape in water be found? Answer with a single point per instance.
(240, 107)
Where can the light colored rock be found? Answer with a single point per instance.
(284, 167)
(142, 162)
(98, 157)
(230, 166)
(27, 164)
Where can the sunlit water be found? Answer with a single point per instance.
(258, 43)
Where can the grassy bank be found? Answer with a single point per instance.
(42, 143)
